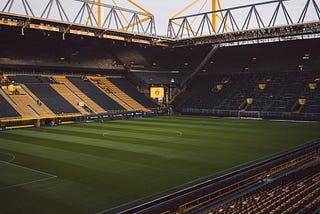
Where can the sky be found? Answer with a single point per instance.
(163, 10)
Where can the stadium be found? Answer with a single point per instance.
(102, 113)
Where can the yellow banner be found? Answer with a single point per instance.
(157, 92)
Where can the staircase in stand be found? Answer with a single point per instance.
(117, 94)
(70, 97)
(92, 105)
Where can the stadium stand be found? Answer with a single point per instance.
(96, 94)
(26, 106)
(85, 54)
(87, 101)
(80, 53)
(277, 92)
(117, 95)
(71, 98)
(158, 78)
(131, 91)
(6, 109)
(264, 78)
(291, 193)
(41, 88)
(148, 58)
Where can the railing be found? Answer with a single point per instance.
(206, 199)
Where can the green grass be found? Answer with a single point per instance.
(103, 165)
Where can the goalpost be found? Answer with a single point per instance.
(252, 115)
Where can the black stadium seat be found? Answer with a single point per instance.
(95, 94)
(6, 110)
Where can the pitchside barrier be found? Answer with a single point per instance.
(15, 123)
(254, 114)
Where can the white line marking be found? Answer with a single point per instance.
(9, 154)
(51, 176)
(34, 170)
(179, 133)
(30, 182)
(109, 132)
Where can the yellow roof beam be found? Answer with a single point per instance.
(122, 14)
(140, 7)
(99, 12)
(185, 8)
(215, 17)
(199, 11)
(91, 10)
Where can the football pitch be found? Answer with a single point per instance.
(96, 167)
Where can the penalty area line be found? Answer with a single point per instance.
(26, 183)
(50, 176)
(34, 170)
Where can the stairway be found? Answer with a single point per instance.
(117, 94)
(27, 105)
(91, 104)
(70, 97)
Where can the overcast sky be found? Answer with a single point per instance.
(164, 9)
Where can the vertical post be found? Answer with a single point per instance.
(38, 123)
(99, 13)
(214, 15)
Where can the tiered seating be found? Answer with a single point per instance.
(40, 108)
(52, 99)
(281, 92)
(46, 96)
(89, 102)
(40, 87)
(98, 96)
(116, 94)
(25, 105)
(32, 50)
(289, 194)
(102, 82)
(285, 68)
(158, 78)
(6, 109)
(70, 97)
(203, 93)
(130, 91)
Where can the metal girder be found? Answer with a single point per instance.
(187, 30)
(215, 5)
(280, 15)
(48, 9)
(116, 18)
(26, 6)
(113, 17)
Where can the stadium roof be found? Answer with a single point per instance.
(275, 18)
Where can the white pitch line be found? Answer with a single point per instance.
(34, 170)
(179, 133)
(9, 154)
(30, 182)
(109, 132)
